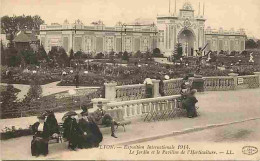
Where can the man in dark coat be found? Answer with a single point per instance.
(101, 118)
(189, 104)
(39, 144)
(76, 79)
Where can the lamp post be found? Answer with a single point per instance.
(122, 36)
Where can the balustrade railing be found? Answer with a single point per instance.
(219, 83)
(172, 86)
(248, 81)
(135, 108)
(130, 92)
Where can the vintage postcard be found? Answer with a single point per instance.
(130, 80)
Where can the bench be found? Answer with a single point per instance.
(117, 114)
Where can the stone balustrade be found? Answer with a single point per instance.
(248, 81)
(172, 86)
(130, 92)
(137, 108)
(219, 83)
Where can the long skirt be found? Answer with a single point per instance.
(191, 111)
(39, 146)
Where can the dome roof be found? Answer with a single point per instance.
(187, 6)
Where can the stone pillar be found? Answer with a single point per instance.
(110, 91)
(155, 88)
(258, 73)
(96, 100)
(234, 75)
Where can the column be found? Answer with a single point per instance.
(110, 91)
(234, 75)
(155, 88)
(258, 73)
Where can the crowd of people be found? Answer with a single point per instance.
(80, 130)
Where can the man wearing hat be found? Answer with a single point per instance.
(101, 118)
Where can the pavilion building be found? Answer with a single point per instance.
(184, 28)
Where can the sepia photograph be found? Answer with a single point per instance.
(130, 80)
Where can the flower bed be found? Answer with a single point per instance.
(10, 133)
(20, 76)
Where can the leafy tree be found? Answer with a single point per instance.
(15, 23)
(251, 44)
(177, 54)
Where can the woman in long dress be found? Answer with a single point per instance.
(91, 134)
(39, 144)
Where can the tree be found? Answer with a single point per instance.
(63, 59)
(12, 57)
(250, 44)
(157, 53)
(15, 23)
(138, 54)
(71, 54)
(34, 93)
(3, 55)
(177, 54)
(8, 99)
(258, 44)
(99, 56)
(148, 55)
(42, 55)
(125, 56)
(78, 55)
(29, 57)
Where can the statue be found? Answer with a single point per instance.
(251, 59)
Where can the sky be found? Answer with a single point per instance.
(219, 13)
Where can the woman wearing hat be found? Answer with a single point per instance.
(91, 135)
(39, 144)
(190, 102)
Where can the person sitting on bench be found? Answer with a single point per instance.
(39, 144)
(101, 118)
(91, 135)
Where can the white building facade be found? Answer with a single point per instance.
(189, 30)
(185, 28)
